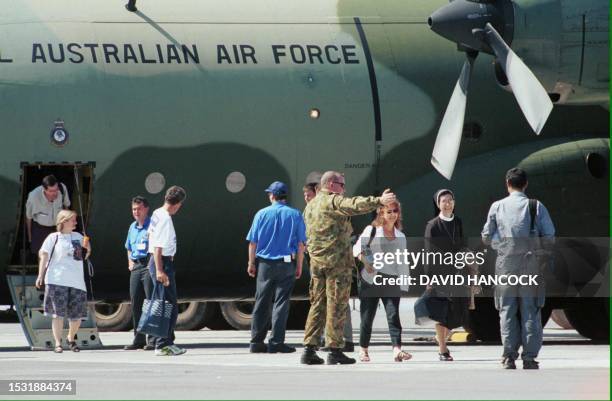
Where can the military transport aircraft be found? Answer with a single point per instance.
(224, 97)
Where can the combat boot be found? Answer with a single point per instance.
(336, 357)
(310, 357)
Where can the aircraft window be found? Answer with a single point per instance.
(472, 131)
(155, 182)
(235, 182)
(314, 113)
(596, 164)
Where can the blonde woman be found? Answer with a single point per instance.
(387, 237)
(60, 270)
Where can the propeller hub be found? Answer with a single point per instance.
(460, 21)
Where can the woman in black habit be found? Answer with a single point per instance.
(448, 304)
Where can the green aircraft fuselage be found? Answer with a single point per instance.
(220, 97)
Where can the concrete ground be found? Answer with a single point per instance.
(219, 366)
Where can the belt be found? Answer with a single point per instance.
(142, 261)
(272, 260)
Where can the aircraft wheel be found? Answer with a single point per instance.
(113, 317)
(194, 315)
(217, 321)
(237, 314)
(484, 321)
(590, 318)
(546, 313)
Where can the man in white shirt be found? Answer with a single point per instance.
(43, 204)
(162, 247)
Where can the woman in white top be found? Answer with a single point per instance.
(61, 271)
(387, 238)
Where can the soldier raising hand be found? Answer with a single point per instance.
(328, 231)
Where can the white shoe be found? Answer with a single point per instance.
(177, 350)
(166, 351)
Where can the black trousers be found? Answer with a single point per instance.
(368, 306)
(141, 287)
(275, 280)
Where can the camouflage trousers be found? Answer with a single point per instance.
(330, 290)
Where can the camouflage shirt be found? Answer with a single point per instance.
(328, 227)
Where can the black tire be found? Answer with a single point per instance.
(237, 314)
(194, 315)
(483, 322)
(590, 318)
(546, 312)
(113, 317)
(217, 321)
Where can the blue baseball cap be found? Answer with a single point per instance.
(277, 188)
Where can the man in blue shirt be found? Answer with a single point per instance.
(276, 241)
(508, 229)
(141, 285)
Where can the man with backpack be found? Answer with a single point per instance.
(514, 224)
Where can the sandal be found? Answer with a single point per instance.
(364, 356)
(445, 356)
(73, 346)
(402, 356)
(58, 349)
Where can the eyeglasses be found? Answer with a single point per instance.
(391, 211)
(339, 183)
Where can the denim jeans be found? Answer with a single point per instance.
(141, 288)
(170, 295)
(368, 306)
(275, 280)
(525, 331)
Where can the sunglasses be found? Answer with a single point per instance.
(391, 211)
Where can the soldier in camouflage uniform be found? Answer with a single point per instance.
(328, 230)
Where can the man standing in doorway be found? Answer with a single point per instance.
(328, 230)
(43, 204)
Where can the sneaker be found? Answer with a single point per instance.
(148, 347)
(531, 365)
(166, 351)
(170, 350)
(280, 348)
(336, 357)
(132, 347)
(258, 348)
(508, 363)
(177, 350)
(310, 357)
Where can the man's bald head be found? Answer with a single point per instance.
(333, 181)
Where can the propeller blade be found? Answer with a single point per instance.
(529, 92)
(446, 149)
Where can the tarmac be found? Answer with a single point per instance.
(218, 365)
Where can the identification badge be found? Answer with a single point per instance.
(287, 259)
(141, 246)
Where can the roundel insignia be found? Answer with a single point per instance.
(59, 134)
